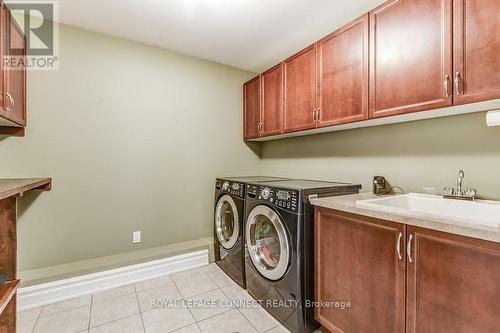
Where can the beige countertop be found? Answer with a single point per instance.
(347, 203)
(13, 187)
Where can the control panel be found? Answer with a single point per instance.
(284, 198)
(233, 188)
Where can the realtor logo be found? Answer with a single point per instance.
(38, 22)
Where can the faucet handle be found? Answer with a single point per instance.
(470, 192)
(448, 191)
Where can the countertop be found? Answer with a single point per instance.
(13, 187)
(347, 203)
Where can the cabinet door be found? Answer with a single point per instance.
(300, 90)
(251, 102)
(411, 59)
(272, 101)
(8, 317)
(4, 49)
(453, 283)
(16, 90)
(343, 66)
(477, 49)
(356, 260)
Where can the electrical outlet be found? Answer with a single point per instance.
(136, 237)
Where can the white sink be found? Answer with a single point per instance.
(480, 212)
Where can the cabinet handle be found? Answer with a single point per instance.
(11, 102)
(447, 86)
(314, 114)
(408, 248)
(398, 246)
(317, 113)
(457, 83)
(261, 127)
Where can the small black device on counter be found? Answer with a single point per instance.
(379, 185)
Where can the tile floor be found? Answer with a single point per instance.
(201, 300)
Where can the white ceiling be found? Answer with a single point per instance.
(248, 34)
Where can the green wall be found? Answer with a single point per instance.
(134, 137)
(413, 155)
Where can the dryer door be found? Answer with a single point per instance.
(267, 242)
(227, 224)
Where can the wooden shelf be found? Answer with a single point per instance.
(13, 187)
(7, 291)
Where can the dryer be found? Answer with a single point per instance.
(229, 213)
(279, 237)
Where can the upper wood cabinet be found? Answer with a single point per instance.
(343, 74)
(300, 90)
(272, 101)
(411, 56)
(252, 108)
(477, 50)
(17, 75)
(453, 283)
(402, 57)
(13, 75)
(357, 260)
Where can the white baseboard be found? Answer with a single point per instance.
(56, 291)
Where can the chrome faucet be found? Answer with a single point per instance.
(460, 192)
(461, 175)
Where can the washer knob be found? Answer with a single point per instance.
(266, 193)
(225, 186)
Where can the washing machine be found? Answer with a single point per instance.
(229, 213)
(279, 236)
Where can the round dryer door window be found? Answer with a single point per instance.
(227, 224)
(267, 242)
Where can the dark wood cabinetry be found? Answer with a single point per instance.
(357, 261)
(402, 278)
(402, 57)
(300, 90)
(477, 49)
(272, 101)
(16, 74)
(251, 97)
(10, 189)
(13, 75)
(411, 62)
(343, 74)
(453, 283)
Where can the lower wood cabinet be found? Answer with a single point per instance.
(453, 283)
(357, 262)
(8, 317)
(401, 278)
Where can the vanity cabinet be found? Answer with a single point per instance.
(402, 278)
(453, 283)
(356, 261)
(477, 49)
(411, 56)
(13, 75)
